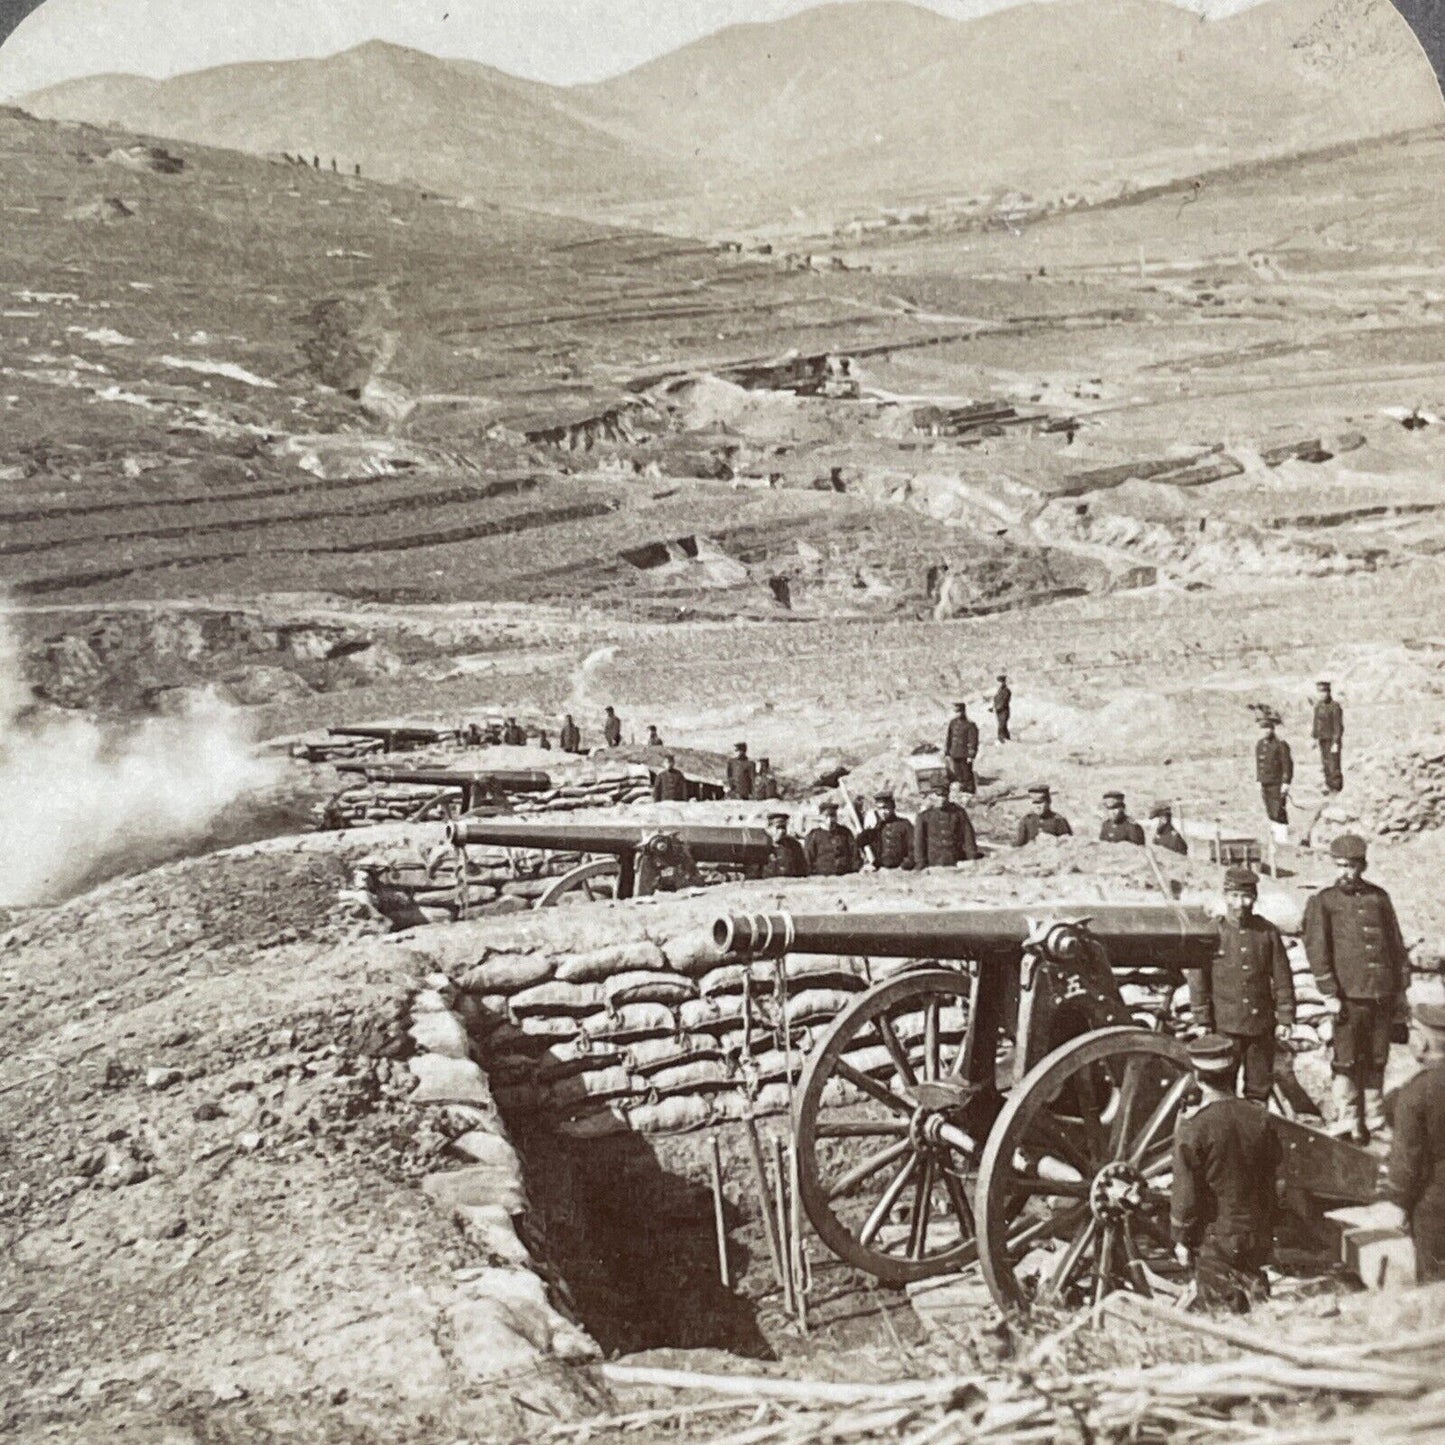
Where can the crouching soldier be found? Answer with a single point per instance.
(1246, 995)
(1223, 1202)
(1417, 1154)
(890, 839)
(787, 859)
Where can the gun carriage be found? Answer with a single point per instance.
(1001, 1103)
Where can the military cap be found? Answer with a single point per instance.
(1430, 1016)
(960, 704)
(1324, 683)
(778, 817)
(1039, 790)
(739, 745)
(768, 761)
(1003, 677)
(1114, 796)
(1211, 1054)
(1349, 847)
(371, 864)
(828, 806)
(1243, 880)
(1269, 719)
(884, 797)
(1161, 810)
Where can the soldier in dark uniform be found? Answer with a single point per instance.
(570, 738)
(1002, 703)
(1041, 818)
(765, 784)
(787, 859)
(1246, 995)
(741, 773)
(654, 738)
(943, 834)
(960, 747)
(612, 728)
(1274, 768)
(670, 785)
(1417, 1154)
(1329, 732)
(543, 741)
(1357, 952)
(1223, 1202)
(1118, 826)
(890, 839)
(513, 735)
(831, 848)
(1165, 835)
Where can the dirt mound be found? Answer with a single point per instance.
(1388, 790)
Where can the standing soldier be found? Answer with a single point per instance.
(1223, 1202)
(1246, 995)
(1041, 818)
(1329, 733)
(670, 785)
(570, 738)
(1118, 826)
(1417, 1155)
(765, 784)
(612, 728)
(787, 860)
(890, 839)
(1357, 952)
(943, 834)
(654, 738)
(1002, 702)
(831, 848)
(1166, 835)
(543, 741)
(1274, 768)
(961, 748)
(741, 773)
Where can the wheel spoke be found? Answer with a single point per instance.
(884, 1207)
(1123, 1120)
(930, 1040)
(896, 1051)
(922, 1203)
(868, 1168)
(1051, 1225)
(1056, 1141)
(861, 1128)
(1138, 1275)
(959, 1201)
(1050, 1188)
(1163, 1112)
(872, 1087)
(1073, 1257)
(1103, 1269)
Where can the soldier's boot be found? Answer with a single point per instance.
(1348, 1122)
(1375, 1123)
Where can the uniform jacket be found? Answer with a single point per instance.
(962, 740)
(943, 836)
(1126, 832)
(787, 860)
(1226, 1159)
(570, 738)
(741, 774)
(1031, 825)
(514, 737)
(831, 851)
(669, 786)
(1171, 838)
(765, 785)
(1354, 944)
(1248, 987)
(1273, 761)
(891, 843)
(1329, 725)
(1002, 699)
(1417, 1156)
(612, 731)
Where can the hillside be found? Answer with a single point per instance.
(839, 108)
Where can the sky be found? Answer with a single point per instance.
(560, 41)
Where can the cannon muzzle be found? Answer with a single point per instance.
(1134, 934)
(740, 847)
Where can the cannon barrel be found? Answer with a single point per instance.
(738, 846)
(380, 730)
(509, 781)
(1134, 934)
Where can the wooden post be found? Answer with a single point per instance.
(790, 1291)
(724, 1275)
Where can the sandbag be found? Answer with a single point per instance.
(772, 1066)
(692, 953)
(512, 1038)
(549, 1028)
(596, 1124)
(701, 1076)
(599, 964)
(606, 1083)
(632, 1021)
(711, 1015)
(508, 973)
(736, 1042)
(756, 978)
(817, 1003)
(646, 1056)
(876, 1061)
(576, 1056)
(647, 986)
(849, 975)
(545, 999)
(670, 1116)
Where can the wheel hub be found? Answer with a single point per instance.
(1118, 1191)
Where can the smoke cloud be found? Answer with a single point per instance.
(81, 800)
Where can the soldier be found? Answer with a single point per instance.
(512, 734)
(670, 785)
(961, 748)
(1274, 768)
(1357, 952)
(765, 784)
(1002, 703)
(1161, 819)
(543, 741)
(787, 859)
(831, 848)
(890, 839)
(570, 738)
(1329, 732)
(1223, 1202)
(654, 738)
(1417, 1155)
(943, 834)
(1246, 995)
(741, 773)
(1041, 818)
(612, 728)
(1118, 826)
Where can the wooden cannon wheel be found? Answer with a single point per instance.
(592, 881)
(1073, 1186)
(889, 1133)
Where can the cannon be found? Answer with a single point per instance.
(994, 1100)
(476, 788)
(398, 735)
(639, 855)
